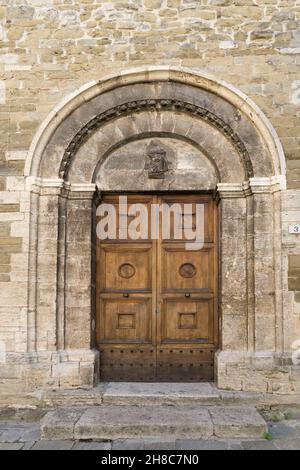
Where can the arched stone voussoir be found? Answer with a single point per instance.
(200, 134)
(225, 108)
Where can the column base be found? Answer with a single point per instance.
(257, 372)
(44, 370)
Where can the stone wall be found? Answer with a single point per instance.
(49, 48)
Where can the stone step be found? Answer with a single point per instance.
(168, 422)
(141, 394)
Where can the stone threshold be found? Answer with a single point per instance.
(110, 422)
(141, 394)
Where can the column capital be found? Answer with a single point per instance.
(80, 191)
(268, 185)
(233, 190)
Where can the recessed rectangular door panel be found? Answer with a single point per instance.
(126, 267)
(184, 212)
(187, 321)
(126, 321)
(187, 271)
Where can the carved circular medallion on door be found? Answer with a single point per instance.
(127, 271)
(187, 270)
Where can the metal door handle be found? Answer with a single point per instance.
(126, 295)
(187, 295)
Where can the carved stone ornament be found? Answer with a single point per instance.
(156, 161)
(153, 105)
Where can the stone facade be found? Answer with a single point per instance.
(50, 50)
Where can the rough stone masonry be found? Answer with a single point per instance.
(49, 49)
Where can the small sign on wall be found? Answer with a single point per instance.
(295, 229)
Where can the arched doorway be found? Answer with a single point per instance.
(157, 293)
(232, 149)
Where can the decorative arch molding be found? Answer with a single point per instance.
(244, 107)
(154, 105)
(61, 211)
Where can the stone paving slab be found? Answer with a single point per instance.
(287, 444)
(31, 433)
(193, 444)
(128, 444)
(154, 444)
(255, 445)
(283, 430)
(11, 435)
(11, 446)
(53, 445)
(92, 446)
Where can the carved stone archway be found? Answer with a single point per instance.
(63, 168)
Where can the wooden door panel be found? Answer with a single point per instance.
(126, 268)
(128, 364)
(186, 321)
(184, 270)
(185, 364)
(123, 220)
(157, 301)
(188, 218)
(126, 321)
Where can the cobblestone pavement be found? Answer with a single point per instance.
(284, 434)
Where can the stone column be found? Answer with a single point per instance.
(78, 275)
(234, 289)
(46, 294)
(81, 362)
(251, 354)
(265, 268)
(233, 265)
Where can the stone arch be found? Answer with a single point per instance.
(76, 113)
(62, 166)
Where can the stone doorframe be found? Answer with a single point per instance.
(61, 173)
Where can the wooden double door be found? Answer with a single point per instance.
(157, 314)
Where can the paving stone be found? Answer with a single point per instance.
(53, 445)
(128, 444)
(28, 445)
(92, 446)
(31, 433)
(11, 435)
(11, 446)
(235, 446)
(288, 444)
(282, 431)
(159, 445)
(237, 422)
(200, 445)
(259, 445)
